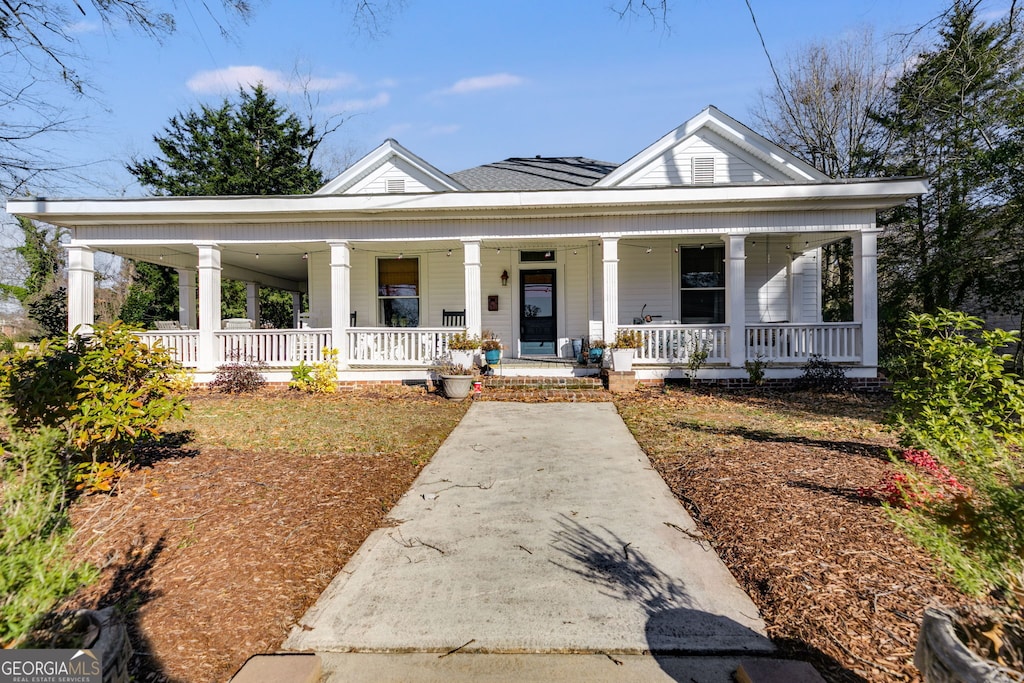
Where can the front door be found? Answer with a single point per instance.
(537, 315)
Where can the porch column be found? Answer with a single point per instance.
(187, 298)
(341, 306)
(735, 297)
(252, 302)
(610, 249)
(474, 316)
(865, 293)
(81, 288)
(296, 309)
(209, 306)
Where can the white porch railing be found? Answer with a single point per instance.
(273, 347)
(673, 344)
(182, 344)
(277, 348)
(773, 342)
(796, 342)
(422, 346)
(398, 345)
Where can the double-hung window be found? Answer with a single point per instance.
(398, 291)
(702, 284)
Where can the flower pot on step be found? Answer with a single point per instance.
(622, 359)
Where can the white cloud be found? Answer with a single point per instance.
(477, 83)
(82, 27)
(233, 77)
(376, 102)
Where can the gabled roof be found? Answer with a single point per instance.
(391, 158)
(536, 173)
(718, 130)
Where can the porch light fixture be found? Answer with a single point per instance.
(498, 250)
(504, 278)
(257, 256)
(305, 256)
(649, 250)
(547, 254)
(449, 253)
(702, 246)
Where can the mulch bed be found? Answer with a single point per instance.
(836, 584)
(215, 553)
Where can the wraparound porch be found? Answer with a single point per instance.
(665, 347)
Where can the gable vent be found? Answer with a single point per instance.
(394, 185)
(703, 170)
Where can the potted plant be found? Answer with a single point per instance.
(624, 347)
(596, 353)
(456, 380)
(462, 348)
(492, 350)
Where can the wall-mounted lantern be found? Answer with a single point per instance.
(504, 278)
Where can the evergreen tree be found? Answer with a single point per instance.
(249, 147)
(954, 117)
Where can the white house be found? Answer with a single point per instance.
(713, 232)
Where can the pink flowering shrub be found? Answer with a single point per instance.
(923, 483)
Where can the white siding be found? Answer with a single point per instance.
(767, 287)
(577, 297)
(491, 266)
(376, 181)
(647, 280)
(443, 286)
(731, 164)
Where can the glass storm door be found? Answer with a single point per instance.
(537, 321)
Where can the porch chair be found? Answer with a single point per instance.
(453, 318)
(168, 325)
(237, 324)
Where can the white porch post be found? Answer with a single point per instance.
(610, 249)
(187, 298)
(296, 309)
(735, 296)
(341, 306)
(474, 316)
(209, 306)
(865, 293)
(252, 302)
(81, 288)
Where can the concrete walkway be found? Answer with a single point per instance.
(537, 542)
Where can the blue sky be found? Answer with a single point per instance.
(459, 82)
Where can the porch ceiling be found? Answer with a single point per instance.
(279, 265)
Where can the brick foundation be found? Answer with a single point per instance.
(619, 382)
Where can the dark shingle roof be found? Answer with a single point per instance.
(536, 173)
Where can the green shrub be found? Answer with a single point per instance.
(819, 374)
(756, 370)
(35, 569)
(952, 378)
(107, 391)
(956, 400)
(321, 378)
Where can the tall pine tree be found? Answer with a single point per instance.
(955, 117)
(252, 146)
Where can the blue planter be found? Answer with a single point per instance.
(596, 355)
(492, 356)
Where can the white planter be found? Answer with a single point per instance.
(463, 359)
(457, 387)
(622, 359)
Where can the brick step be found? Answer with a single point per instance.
(560, 383)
